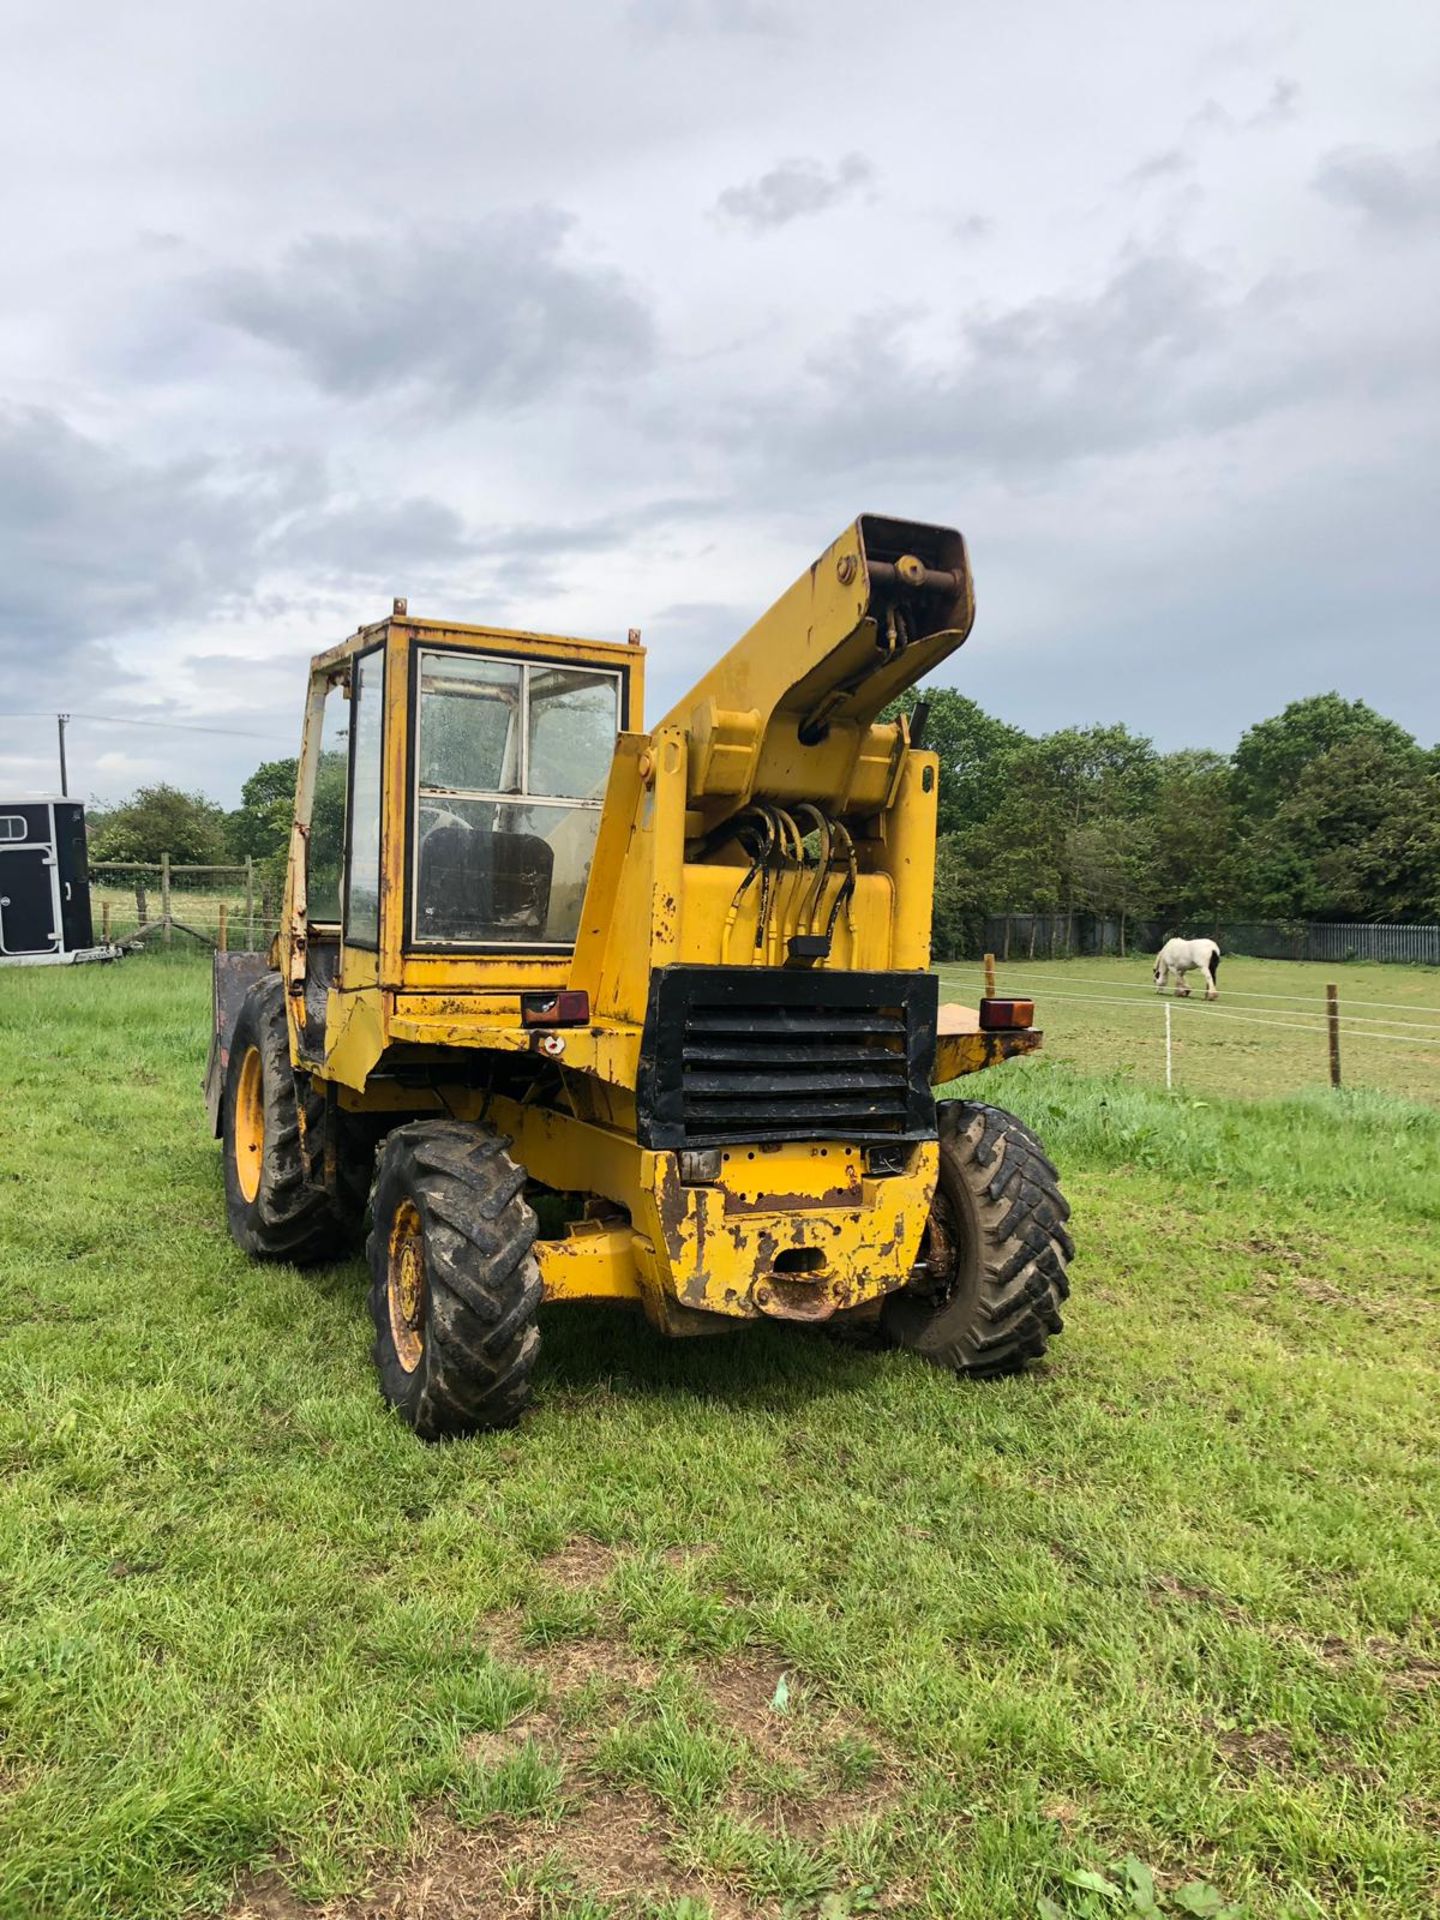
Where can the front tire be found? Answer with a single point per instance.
(276, 1206)
(986, 1295)
(454, 1287)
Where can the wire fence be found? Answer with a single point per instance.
(1256, 1040)
(1054, 936)
(142, 903)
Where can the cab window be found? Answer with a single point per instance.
(511, 758)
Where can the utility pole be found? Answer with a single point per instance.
(61, 719)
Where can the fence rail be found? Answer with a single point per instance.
(136, 901)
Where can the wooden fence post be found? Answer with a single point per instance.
(165, 896)
(989, 976)
(1332, 1010)
(142, 905)
(223, 940)
(249, 903)
(105, 923)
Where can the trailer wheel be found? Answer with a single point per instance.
(985, 1296)
(276, 1209)
(454, 1285)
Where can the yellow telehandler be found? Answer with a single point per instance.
(667, 990)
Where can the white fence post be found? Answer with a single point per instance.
(1169, 1071)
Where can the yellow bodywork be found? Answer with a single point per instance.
(794, 1229)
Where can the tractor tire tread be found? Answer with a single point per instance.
(483, 1284)
(1020, 1277)
(293, 1217)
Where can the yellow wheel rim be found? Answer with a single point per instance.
(405, 1285)
(249, 1125)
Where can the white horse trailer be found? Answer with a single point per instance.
(45, 885)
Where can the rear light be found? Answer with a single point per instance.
(881, 1161)
(570, 1007)
(1005, 1016)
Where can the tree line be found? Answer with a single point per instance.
(1326, 811)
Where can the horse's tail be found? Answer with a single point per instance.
(1213, 965)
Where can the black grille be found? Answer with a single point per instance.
(768, 1054)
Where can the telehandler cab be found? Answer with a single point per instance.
(670, 985)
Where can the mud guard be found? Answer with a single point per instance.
(233, 976)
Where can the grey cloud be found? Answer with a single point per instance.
(1160, 166)
(1279, 107)
(495, 314)
(1161, 350)
(94, 544)
(361, 538)
(792, 190)
(1395, 191)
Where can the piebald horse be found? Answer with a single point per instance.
(1179, 957)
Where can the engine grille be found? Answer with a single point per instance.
(769, 1054)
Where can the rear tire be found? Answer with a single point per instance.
(273, 1131)
(992, 1273)
(454, 1287)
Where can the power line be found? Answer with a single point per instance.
(179, 726)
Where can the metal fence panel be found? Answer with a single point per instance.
(1046, 936)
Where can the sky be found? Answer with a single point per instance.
(584, 318)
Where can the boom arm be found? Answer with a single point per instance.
(701, 857)
(788, 711)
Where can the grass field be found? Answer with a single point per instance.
(752, 1627)
(1265, 1035)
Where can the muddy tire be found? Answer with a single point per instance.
(273, 1132)
(454, 1288)
(992, 1273)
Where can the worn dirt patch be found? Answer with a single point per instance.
(743, 1690)
(610, 1841)
(1065, 1813)
(1248, 1753)
(613, 1847)
(683, 1558)
(267, 1896)
(581, 1562)
(804, 1734)
(1406, 1669)
(1196, 1595)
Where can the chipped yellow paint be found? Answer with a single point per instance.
(714, 1248)
(957, 1054)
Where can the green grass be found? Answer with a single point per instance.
(1172, 1596)
(1265, 1035)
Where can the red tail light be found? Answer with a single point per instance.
(569, 1007)
(1004, 1016)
